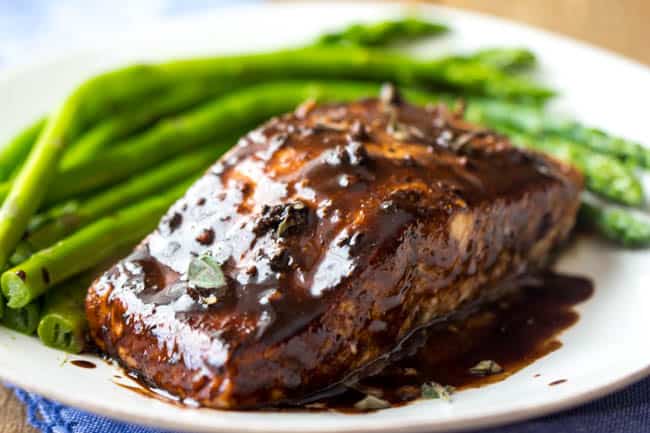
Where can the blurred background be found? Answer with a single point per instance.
(40, 26)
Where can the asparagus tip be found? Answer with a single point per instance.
(55, 331)
(15, 290)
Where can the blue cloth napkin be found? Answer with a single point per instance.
(28, 23)
(627, 411)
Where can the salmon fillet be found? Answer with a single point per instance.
(340, 230)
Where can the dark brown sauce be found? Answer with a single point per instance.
(145, 391)
(82, 363)
(140, 386)
(513, 332)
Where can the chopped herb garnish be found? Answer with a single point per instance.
(486, 368)
(370, 402)
(205, 272)
(293, 216)
(433, 390)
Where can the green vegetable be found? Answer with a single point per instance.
(115, 91)
(383, 33)
(134, 119)
(533, 120)
(14, 153)
(205, 272)
(433, 390)
(63, 320)
(602, 142)
(89, 102)
(84, 249)
(64, 219)
(347, 62)
(507, 59)
(30, 186)
(130, 157)
(605, 176)
(623, 226)
(24, 319)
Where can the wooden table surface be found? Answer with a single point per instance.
(621, 26)
(618, 25)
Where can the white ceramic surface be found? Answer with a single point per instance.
(606, 350)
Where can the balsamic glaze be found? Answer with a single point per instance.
(82, 363)
(514, 332)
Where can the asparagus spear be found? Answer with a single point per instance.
(64, 219)
(129, 86)
(111, 92)
(27, 191)
(129, 159)
(356, 63)
(604, 175)
(506, 59)
(24, 320)
(535, 121)
(134, 119)
(383, 32)
(602, 142)
(63, 321)
(15, 151)
(84, 249)
(29, 188)
(616, 224)
(89, 102)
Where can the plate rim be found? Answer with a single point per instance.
(483, 421)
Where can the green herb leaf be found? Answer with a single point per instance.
(485, 368)
(205, 272)
(433, 390)
(294, 216)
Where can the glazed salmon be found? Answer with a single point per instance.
(339, 230)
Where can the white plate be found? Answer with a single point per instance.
(606, 350)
